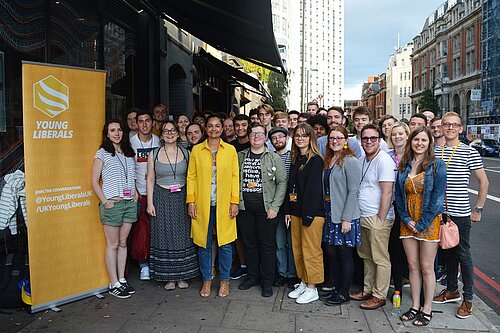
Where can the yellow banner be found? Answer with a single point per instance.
(63, 111)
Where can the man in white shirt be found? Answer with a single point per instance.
(377, 218)
(143, 143)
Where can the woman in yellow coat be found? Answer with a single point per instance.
(213, 189)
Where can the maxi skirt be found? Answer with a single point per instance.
(173, 255)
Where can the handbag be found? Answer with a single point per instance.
(448, 232)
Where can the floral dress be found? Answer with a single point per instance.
(414, 187)
(332, 232)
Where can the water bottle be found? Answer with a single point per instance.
(396, 303)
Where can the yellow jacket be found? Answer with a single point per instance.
(199, 180)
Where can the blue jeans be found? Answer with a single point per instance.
(284, 254)
(461, 254)
(225, 253)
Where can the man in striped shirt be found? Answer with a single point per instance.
(461, 160)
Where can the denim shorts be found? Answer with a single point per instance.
(124, 211)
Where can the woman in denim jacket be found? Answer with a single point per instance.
(419, 195)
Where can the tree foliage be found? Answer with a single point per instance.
(252, 68)
(427, 101)
(279, 90)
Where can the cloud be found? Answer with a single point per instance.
(353, 91)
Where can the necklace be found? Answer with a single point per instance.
(174, 169)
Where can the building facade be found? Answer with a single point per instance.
(447, 57)
(374, 95)
(313, 49)
(399, 83)
(489, 113)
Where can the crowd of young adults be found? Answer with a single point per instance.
(291, 199)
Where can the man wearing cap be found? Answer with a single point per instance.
(278, 136)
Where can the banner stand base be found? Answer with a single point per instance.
(99, 295)
(54, 304)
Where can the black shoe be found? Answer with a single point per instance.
(239, 272)
(337, 299)
(279, 281)
(128, 288)
(267, 290)
(118, 292)
(247, 284)
(327, 296)
(291, 282)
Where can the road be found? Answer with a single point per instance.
(485, 237)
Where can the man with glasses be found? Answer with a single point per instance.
(284, 254)
(377, 218)
(142, 143)
(461, 160)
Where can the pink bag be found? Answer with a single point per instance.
(448, 235)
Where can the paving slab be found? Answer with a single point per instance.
(316, 308)
(241, 315)
(134, 326)
(60, 322)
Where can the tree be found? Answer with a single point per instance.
(279, 90)
(427, 101)
(252, 68)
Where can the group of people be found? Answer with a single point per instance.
(295, 198)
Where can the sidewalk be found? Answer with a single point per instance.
(152, 309)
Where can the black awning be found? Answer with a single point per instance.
(230, 73)
(242, 28)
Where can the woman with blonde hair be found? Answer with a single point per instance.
(306, 212)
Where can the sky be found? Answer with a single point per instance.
(371, 34)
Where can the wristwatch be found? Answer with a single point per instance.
(479, 209)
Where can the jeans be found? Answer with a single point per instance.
(259, 238)
(284, 253)
(461, 254)
(225, 253)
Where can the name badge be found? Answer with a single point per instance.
(175, 188)
(127, 193)
(293, 197)
(327, 198)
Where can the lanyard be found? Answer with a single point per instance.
(451, 156)
(150, 143)
(174, 169)
(396, 158)
(368, 167)
(124, 166)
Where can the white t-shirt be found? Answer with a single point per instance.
(379, 169)
(142, 150)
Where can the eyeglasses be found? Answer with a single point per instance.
(277, 138)
(301, 136)
(171, 131)
(336, 138)
(257, 134)
(448, 125)
(373, 139)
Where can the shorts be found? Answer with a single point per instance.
(124, 211)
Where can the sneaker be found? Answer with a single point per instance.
(299, 289)
(465, 310)
(241, 271)
(337, 299)
(127, 288)
(118, 291)
(145, 274)
(308, 295)
(247, 284)
(446, 296)
(406, 283)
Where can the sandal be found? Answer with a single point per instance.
(423, 319)
(410, 315)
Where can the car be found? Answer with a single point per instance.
(486, 146)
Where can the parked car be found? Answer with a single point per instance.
(486, 146)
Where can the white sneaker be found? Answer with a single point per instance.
(299, 289)
(145, 273)
(309, 295)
